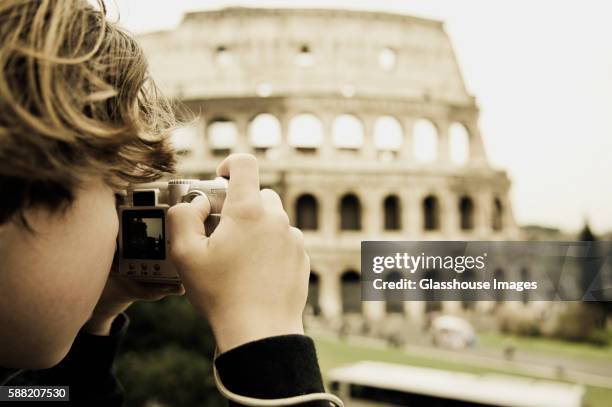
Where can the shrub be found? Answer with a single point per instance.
(169, 376)
(579, 323)
(166, 359)
(519, 324)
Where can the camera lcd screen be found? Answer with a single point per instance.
(144, 234)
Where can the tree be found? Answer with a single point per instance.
(590, 276)
(166, 359)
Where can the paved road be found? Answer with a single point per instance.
(545, 365)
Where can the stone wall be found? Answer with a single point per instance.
(383, 76)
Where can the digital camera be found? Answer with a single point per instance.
(143, 245)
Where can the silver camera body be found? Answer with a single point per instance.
(143, 246)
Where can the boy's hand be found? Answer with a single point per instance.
(250, 277)
(119, 293)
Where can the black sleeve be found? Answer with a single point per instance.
(275, 367)
(87, 369)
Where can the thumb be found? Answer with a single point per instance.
(186, 224)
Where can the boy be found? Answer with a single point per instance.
(79, 119)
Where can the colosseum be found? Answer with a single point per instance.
(361, 122)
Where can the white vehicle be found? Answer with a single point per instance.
(452, 332)
(367, 384)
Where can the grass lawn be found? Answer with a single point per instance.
(333, 353)
(550, 346)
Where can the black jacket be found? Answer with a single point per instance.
(275, 367)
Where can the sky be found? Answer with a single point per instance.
(541, 71)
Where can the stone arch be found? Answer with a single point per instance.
(184, 139)
(264, 132)
(525, 276)
(387, 58)
(459, 143)
(307, 212)
(304, 57)
(222, 135)
(500, 275)
(388, 134)
(394, 303)
(223, 55)
(466, 213)
(312, 300)
(425, 141)
(264, 89)
(432, 301)
(305, 132)
(497, 221)
(347, 132)
(392, 212)
(351, 291)
(431, 213)
(467, 301)
(350, 212)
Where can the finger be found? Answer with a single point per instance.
(273, 204)
(306, 266)
(243, 173)
(146, 289)
(271, 199)
(186, 220)
(297, 234)
(152, 286)
(177, 290)
(167, 288)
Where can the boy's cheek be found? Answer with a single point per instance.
(95, 226)
(54, 277)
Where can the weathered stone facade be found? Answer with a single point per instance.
(346, 175)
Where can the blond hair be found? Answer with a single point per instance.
(76, 100)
